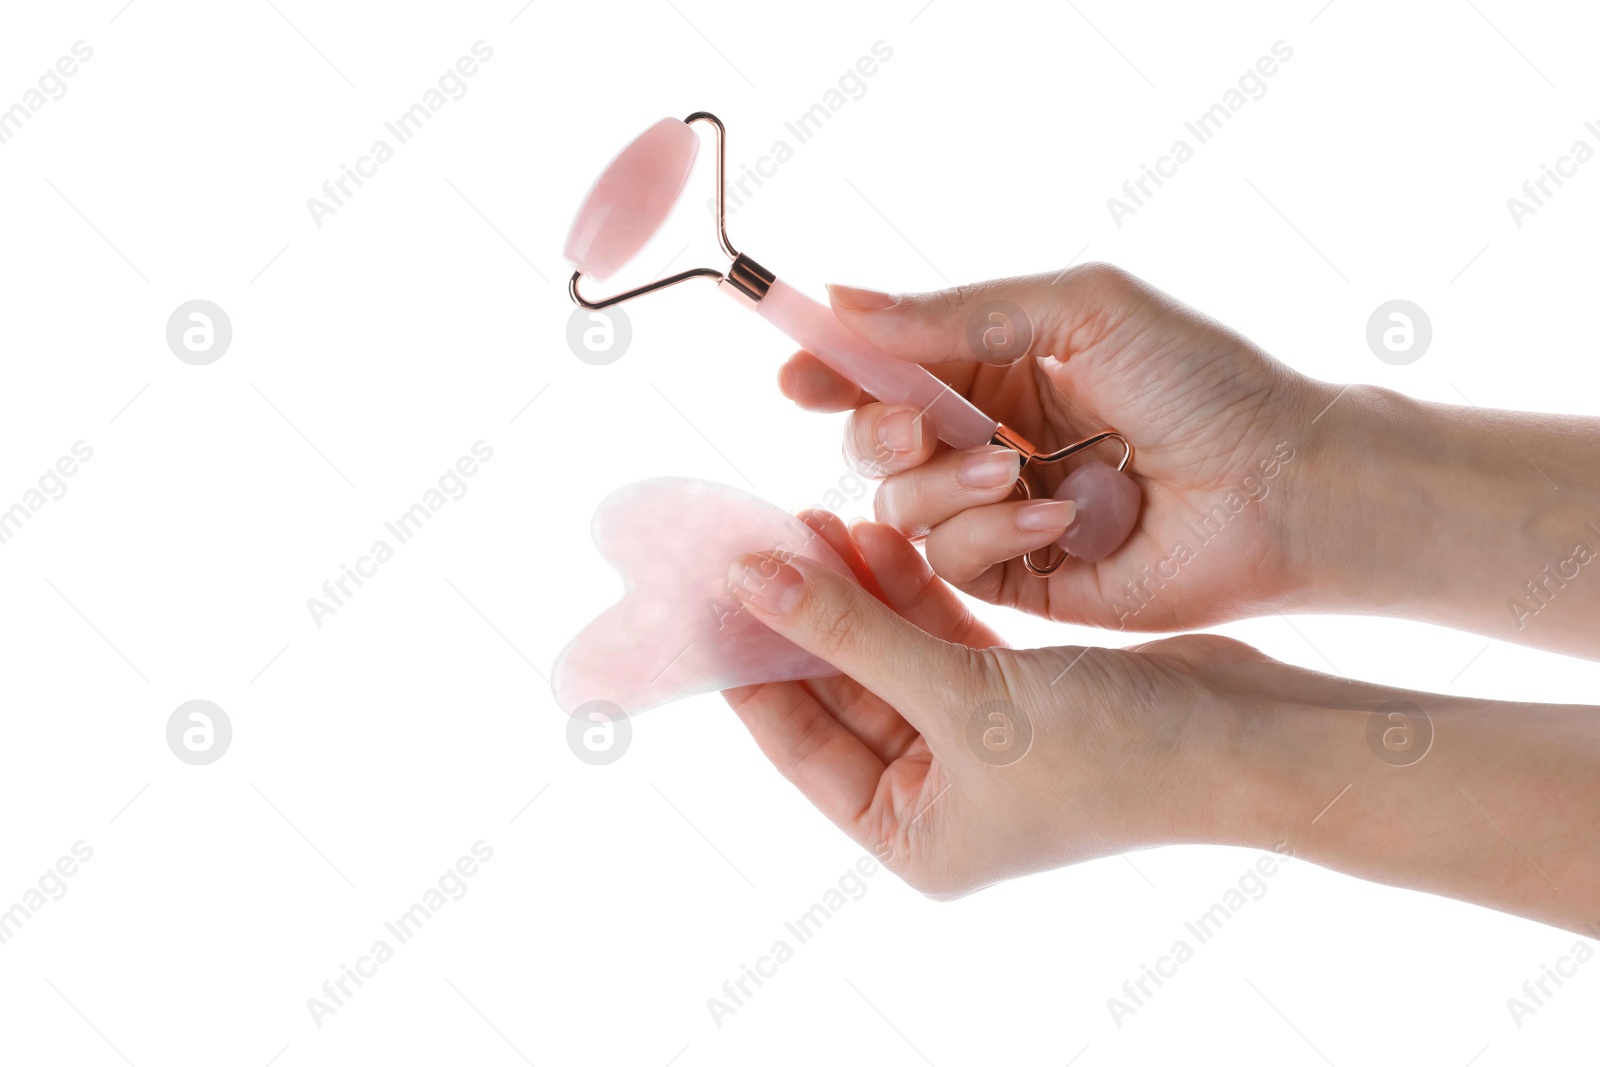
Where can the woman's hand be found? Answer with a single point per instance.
(1217, 423)
(1264, 490)
(959, 762)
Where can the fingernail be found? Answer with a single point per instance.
(900, 430)
(1041, 515)
(765, 583)
(847, 296)
(989, 468)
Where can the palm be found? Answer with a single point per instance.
(849, 750)
(1205, 409)
(911, 779)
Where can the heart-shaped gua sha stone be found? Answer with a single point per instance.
(678, 630)
(1108, 507)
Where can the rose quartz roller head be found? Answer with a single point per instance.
(634, 196)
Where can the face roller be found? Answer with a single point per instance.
(633, 197)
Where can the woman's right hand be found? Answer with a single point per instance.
(1219, 426)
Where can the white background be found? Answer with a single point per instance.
(423, 316)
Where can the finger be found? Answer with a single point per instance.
(916, 500)
(836, 535)
(879, 726)
(883, 439)
(911, 588)
(815, 386)
(830, 766)
(995, 322)
(837, 621)
(962, 549)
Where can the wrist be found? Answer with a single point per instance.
(1352, 487)
(1418, 510)
(1229, 739)
(1289, 744)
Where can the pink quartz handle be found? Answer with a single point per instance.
(894, 381)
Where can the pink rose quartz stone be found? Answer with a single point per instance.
(1108, 508)
(632, 198)
(678, 631)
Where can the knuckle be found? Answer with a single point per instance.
(942, 894)
(956, 554)
(883, 503)
(985, 674)
(1200, 650)
(950, 299)
(1095, 299)
(836, 627)
(894, 504)
(936, 885)
(1107, 277)
(864, 453)
(943, 558)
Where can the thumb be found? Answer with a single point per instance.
(836, 620)
(996, 322)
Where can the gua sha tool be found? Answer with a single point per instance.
(678, 630)
(634, 196)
